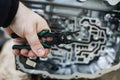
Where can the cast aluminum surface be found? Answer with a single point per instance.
(96, 51)
(113, 2)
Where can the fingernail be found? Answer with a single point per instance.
(41, 52)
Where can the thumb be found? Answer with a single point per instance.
(34, 43)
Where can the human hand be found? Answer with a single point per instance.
(27, 24)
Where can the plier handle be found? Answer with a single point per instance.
(57, 38)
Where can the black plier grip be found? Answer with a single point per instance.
(43, 33)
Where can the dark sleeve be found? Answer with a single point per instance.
(8, 9)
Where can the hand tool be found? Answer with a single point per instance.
(57, 39)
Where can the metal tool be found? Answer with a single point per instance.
(57, 39)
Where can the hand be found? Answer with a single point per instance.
(27, 24)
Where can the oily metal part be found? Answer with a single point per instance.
(95, 53)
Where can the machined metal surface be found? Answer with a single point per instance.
(96, 51)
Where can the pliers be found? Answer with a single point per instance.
(57, 39)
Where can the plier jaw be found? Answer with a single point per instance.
(59, 38)
(66, 37)
(55, 38)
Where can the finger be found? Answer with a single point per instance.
(16, 52)
(31, 54)
(24, 52)
(20, 40)
(34, 42)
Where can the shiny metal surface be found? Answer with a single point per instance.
(97, 50)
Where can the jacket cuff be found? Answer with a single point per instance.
(12, 13)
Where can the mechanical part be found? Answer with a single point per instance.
(113, 2)
(98, 49)
(81, 0)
